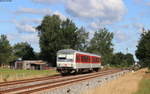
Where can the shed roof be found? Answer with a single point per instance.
(38, 62)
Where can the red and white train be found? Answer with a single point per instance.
(72, 61)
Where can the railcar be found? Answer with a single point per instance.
(71, 61)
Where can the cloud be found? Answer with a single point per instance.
(31, 38)
(142, 2)
(102, 9)
(138, 1)
(62, 17)
(30, 20)
(48, 1)
(26, 33)
(125, 26)
(41, 11)
(102, 12)
(120, 36)
(22, 27)
(138, 26)
(105, 11)
(148, 3)
(94, 25)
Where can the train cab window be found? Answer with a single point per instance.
(65, 58)
(61, 57)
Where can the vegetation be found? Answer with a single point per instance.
(24, 51)
(56, 34)
(101, 44)
(10, 74)
(6, 54)
(143, 49)
(144, 86)
(122, 60)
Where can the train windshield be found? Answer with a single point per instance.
(65, 58)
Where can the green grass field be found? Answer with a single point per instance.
(10, 74)
(144, 86)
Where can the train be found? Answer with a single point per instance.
(71, 61)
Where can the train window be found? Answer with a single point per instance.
(95, 59)
(65, 58)
(61, 57)
(87, 59)
(77, 58)
(84, 58)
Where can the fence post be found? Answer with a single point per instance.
(1, 78)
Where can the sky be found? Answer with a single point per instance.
(125, 18)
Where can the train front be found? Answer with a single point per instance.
(65, 61)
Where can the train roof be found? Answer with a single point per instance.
(71, 51)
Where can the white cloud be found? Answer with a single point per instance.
(148, 3)
(48, 1)
(103, 10)
(31, 38)
(62, 17)
(138, 26)
(142, 2)
(138, 1)
(94, 25)
(120, 36)
(41, 11)
(31, 20)
(98, 11)
(22, 27)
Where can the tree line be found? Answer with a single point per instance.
(56, 34)
(20, 51)
(143, 49)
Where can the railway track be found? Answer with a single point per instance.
(47, 83)
(28, 80)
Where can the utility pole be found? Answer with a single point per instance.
(126, 50)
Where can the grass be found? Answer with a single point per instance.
(10, 74)
(144, 86)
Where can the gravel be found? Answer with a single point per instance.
(77, 88)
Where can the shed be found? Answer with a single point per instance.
(30, 65)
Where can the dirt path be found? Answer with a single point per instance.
(127, 84)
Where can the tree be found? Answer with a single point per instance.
(24, 51)
(130, 59)
(101, 44)
(50, 38)
(69, 34)
(56, 34)
(83, 40)
(6, 55)
(143, 49)
(122, 60)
